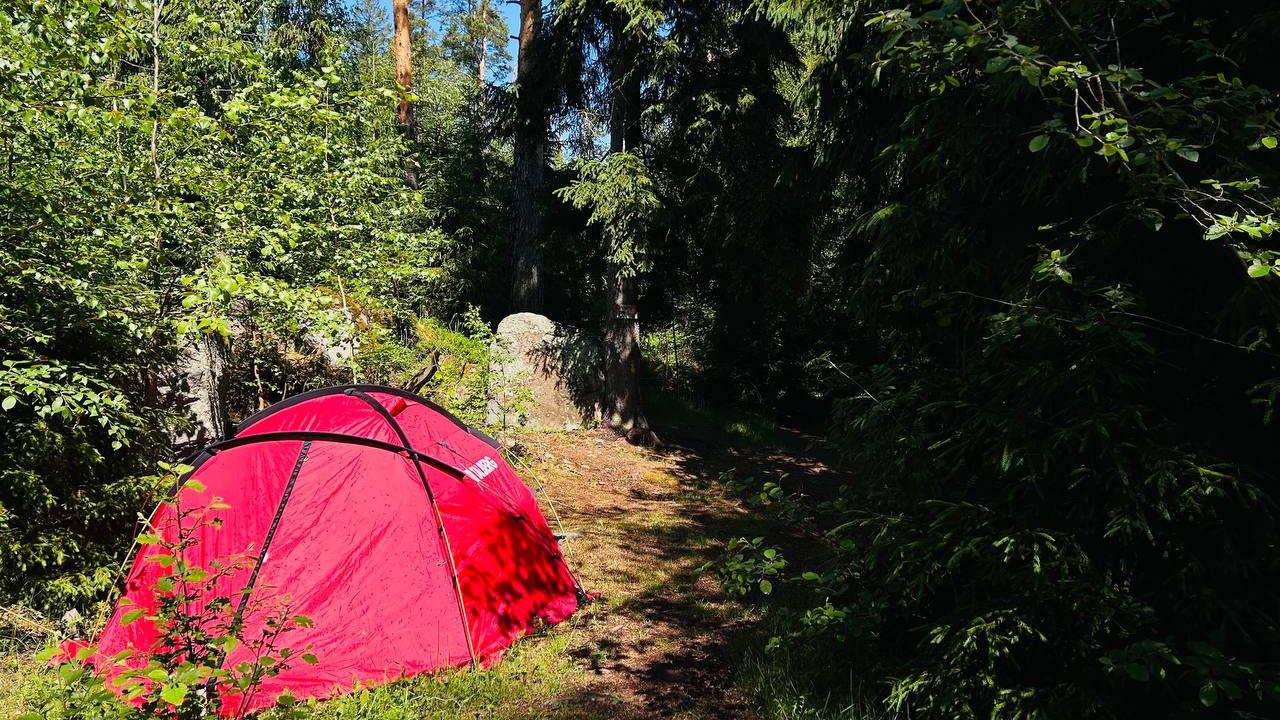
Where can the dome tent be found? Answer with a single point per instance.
(398, 531)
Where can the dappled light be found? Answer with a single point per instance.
(702, 359)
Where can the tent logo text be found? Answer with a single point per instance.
(481, 469)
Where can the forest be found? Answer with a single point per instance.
(1012, 263)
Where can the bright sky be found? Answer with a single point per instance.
(510, 13)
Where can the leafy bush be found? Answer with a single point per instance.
(748, 565)
(1062, 224)
(182, 677)
(176, 171)
(1050, 543)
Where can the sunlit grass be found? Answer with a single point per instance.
(524, 684)
(521, 685)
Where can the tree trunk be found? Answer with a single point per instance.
(622, 356)
(622, 323)
(404, 78)
(527, 164)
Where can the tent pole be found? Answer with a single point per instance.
(453, 570)
(431, 497)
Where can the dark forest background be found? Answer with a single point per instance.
(1017, 259)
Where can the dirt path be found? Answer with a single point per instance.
(661, 641)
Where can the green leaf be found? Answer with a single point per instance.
(1270, 142)
(174, 694)
(1189, 154)
(8, 403)
(70, 674)
(811, 576)
(148, 539)
(1138, 672)
(132, 616)
(1232, 690)
(766, 587)
(1208, 694)
(1038, 143)
(1258, 270)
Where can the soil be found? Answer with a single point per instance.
(660, 639)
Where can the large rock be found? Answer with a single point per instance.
(198, 383)
(546, 376)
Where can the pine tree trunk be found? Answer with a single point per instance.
(527, 164)
(404, 78)
(622, 323)
(622, 356)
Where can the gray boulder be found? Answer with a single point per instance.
(198, 383)
(545, 375)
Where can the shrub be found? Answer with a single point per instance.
(198, 623)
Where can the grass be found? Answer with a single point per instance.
(736, 428)
(779, 683)
(23, 680)
(525, 684)
(18, 681)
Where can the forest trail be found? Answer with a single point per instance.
(661, 640)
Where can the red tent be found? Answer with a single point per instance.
(400, 532)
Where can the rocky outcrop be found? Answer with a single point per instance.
(546, 375)
(198, 383)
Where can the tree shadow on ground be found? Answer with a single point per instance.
(664, 640)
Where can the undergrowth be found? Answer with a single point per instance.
(689, 415)
(530, 675)
(783, 684)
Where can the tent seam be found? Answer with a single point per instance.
(275, 523)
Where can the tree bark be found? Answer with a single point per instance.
(622, 357)
(404, 78)
(529, 156)
(622, 354)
